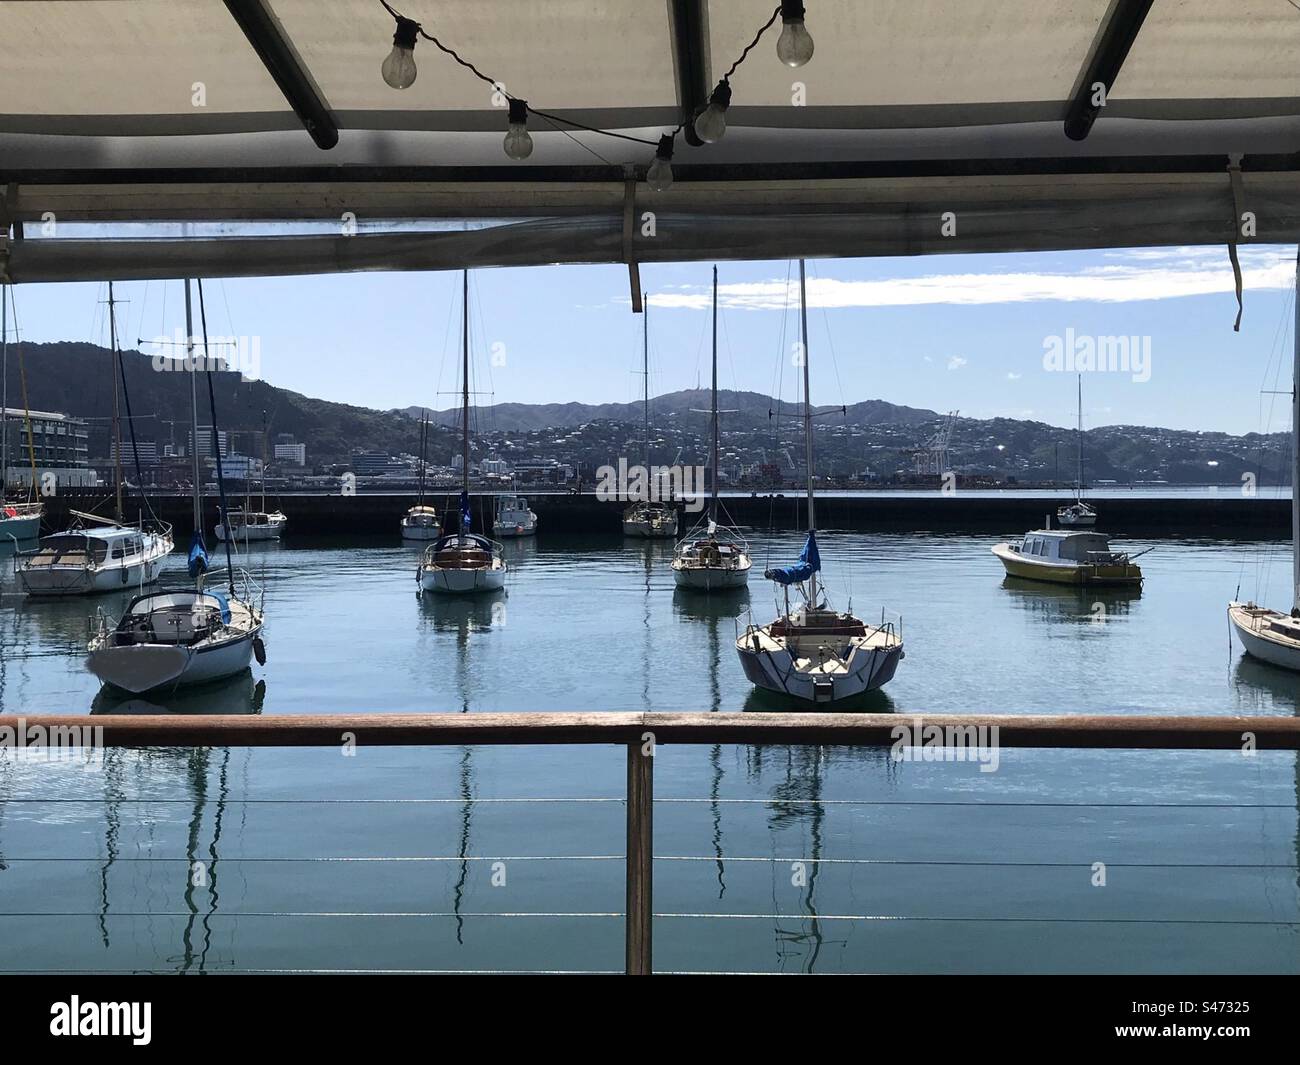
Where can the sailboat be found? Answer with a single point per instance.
(460, 562)
(712, 557)
(98, 554)
(1078, 515)
(249, 524)
(811, 651)
(421, 521)
(18, 521)
(1267, 634)
(649, 519)
(168, 639)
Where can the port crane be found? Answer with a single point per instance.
(934, 456)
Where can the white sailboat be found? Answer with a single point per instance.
(19, 521)
(649, 519)
(96, 554)
(168, 639)
(420, 522)
(1078, 515)
(811, 651)
(1271, 635)
(460, 562)
(249, 525)
(712, 557)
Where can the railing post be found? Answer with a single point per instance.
(640, 855)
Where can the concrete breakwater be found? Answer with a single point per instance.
(1229, 515)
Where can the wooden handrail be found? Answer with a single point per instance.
(640, 734)
(1136, 731)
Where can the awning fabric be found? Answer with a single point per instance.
(147, 111)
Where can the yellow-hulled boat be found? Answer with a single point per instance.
(1063, 556)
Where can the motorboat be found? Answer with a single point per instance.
(92, 558)
(1067, 556)
(513, 517)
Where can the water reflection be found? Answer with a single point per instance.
(464, 616)
(239, 694)
(761, 700)
(1066, 604)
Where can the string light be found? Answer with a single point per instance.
(795, 45)
(518, 142)
(660, 175)
(711, 123)
(794, 48)
(399, 68)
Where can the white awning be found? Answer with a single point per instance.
(160, 110)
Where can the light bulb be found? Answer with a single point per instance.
(711, 123)
(518, 142)
(399, 68)
(795, 45)
(660, 175)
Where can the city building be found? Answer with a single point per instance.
(61, 444)
(291, 453)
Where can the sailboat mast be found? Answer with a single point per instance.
(464, 443)
(645, 373)
(4, 389)
(807, 419)
(713, 499)
(194, 408)
(265, 449)
(424, 439)
(1078, 439)
(117, 421)
(1295, 447)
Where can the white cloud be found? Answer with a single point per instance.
(1126, 276)
(1013, 376)
(956, 362)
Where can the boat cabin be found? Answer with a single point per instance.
(91, 547)
(1052, 545)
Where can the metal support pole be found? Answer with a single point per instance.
(640, 856)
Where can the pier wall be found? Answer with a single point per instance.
(1230, 515)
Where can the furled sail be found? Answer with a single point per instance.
(810, 562)
(198, 555)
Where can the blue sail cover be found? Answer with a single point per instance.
(465, 519)
(198, 554)
(810, 562)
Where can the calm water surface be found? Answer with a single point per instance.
(389, 859)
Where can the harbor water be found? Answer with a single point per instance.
(767, 859)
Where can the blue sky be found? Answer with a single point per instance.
(945, 332)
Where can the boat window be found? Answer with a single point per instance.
(119, 548)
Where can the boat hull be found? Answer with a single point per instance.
(23, 527)
(645, 530)
(1077, 574)
(52, 581)
(771, 666)
(513, 532)
(252, 533)
(1252, 627)
(462, 581)
(710, 578)
(149, 667)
